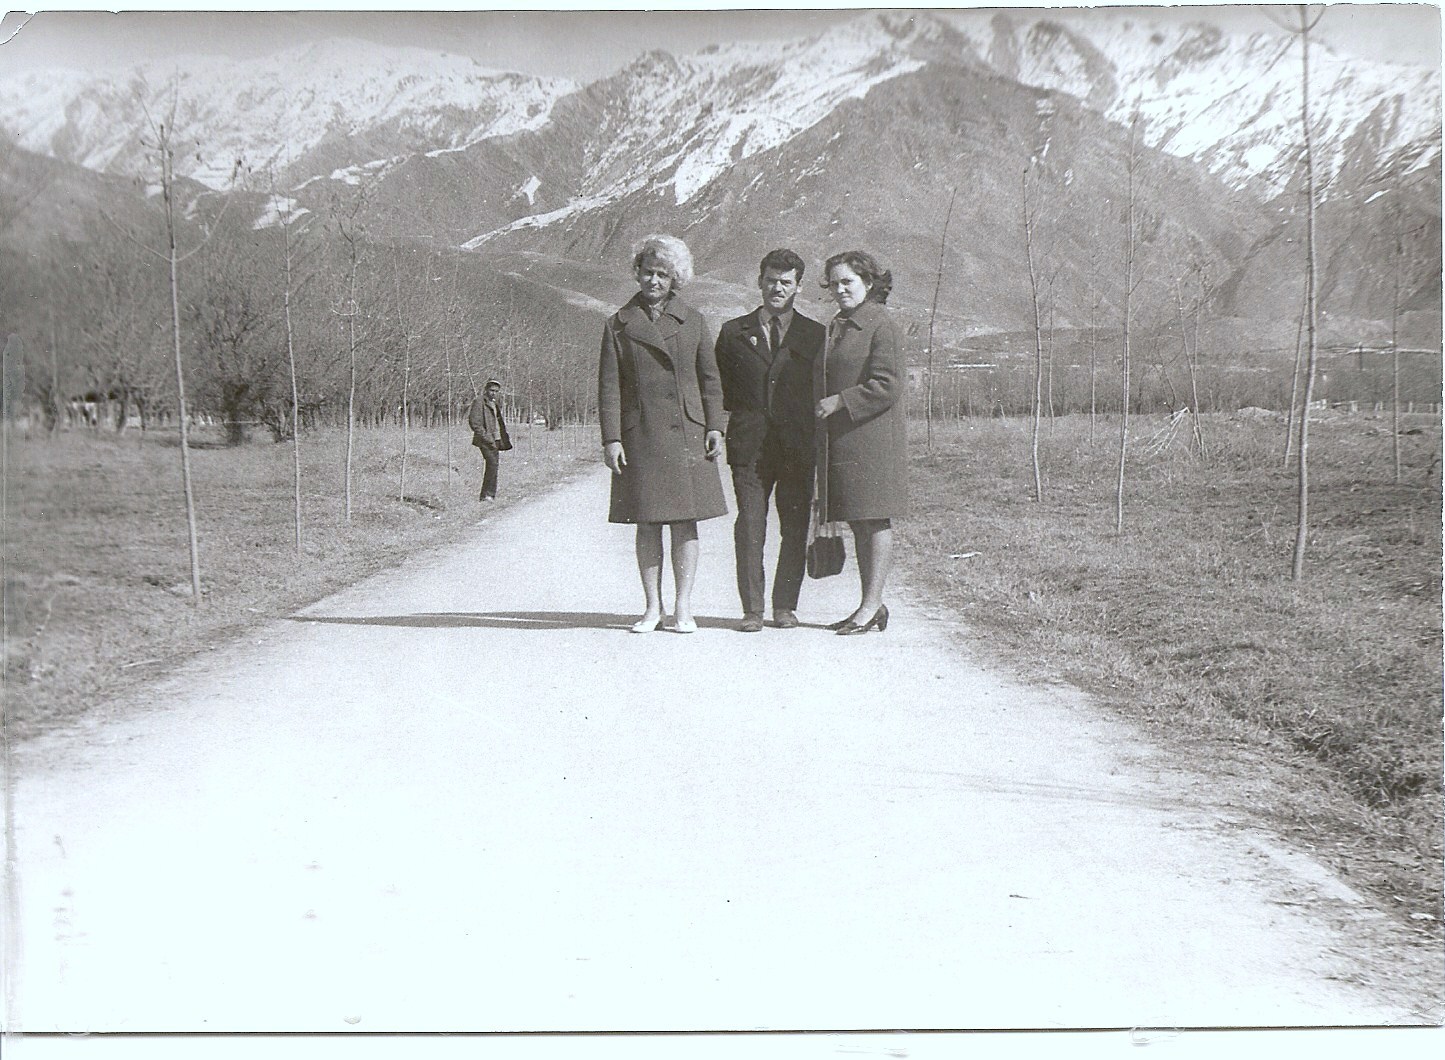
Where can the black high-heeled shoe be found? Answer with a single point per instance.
(879, 621)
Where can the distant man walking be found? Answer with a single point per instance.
(489, 434)
(765, 359)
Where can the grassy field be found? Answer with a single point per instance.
(1317, 704)
(96, 567)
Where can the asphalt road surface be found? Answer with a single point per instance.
(462, 796)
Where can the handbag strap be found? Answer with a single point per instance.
(820, 472)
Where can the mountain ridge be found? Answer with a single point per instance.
(738, 141)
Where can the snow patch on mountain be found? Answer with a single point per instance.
(529, 190)
(353, 175)
(279, 209)
(544, 220)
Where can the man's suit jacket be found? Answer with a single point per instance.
(769, 396)
(488, 427)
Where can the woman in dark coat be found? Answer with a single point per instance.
(861, 386)
(660, 402)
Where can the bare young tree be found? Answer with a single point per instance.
(1294, 379)
(1038, 400)
(1049, 360)
(932, 315)
(283, 204)
(162, 142)
(166, 151)
(404, 325)
(1095, 302)
(1129, 238)
(1397, 264)
(53, 399)
(450, 314)
(349, 228)
(1306, 24)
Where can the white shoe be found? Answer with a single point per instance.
(646, 625)
(684, 626)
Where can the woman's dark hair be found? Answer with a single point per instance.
(878, 279)
(782, 260)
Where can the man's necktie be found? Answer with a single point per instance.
(775, 334)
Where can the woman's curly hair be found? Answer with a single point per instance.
(878, 279)
(669, 250)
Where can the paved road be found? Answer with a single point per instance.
(460, 796)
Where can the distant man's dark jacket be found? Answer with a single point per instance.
(769, 397)
(486, 423)
(489, 434)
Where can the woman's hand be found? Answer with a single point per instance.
(714, 444)
(614, 457)
(829, 405)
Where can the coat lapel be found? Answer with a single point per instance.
(639, 327)
(667, 324)
(789, 334)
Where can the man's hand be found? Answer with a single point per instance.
(714, 444)
(829, 405)
(614, 457)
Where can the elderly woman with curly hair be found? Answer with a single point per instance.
(860, 384)
(660, 402)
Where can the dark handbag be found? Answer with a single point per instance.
(504, 442)
(826, 554)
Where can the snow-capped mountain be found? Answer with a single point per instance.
(284, 109)
(1228, 102)
(680, 123)
(1231, 103)
(858, 136)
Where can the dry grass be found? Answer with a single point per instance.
(1321, 700)
(96, 567)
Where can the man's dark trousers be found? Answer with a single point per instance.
(491, 458)
(788, 477)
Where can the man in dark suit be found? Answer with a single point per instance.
(765, 359)
(489, 434)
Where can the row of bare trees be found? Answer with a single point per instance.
(196, 312)
(1159, 270)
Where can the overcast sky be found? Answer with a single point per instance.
(582, 45)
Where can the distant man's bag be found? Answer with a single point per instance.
(505, 441)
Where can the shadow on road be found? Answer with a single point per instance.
(545, 620)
